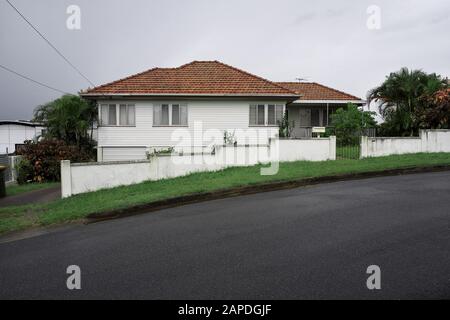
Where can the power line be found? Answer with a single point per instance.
(32, 80)
(49, 43)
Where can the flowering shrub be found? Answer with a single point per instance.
(41, 160)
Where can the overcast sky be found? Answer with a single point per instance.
(323, 41)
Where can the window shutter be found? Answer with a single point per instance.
(252, 116)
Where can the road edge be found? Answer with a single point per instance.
(253, 189)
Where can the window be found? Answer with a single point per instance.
(261, 109)
(176, 114)
(170, 114)
(110, 112)
(261, 114)
(252, 116)
(315, 117)
(127, 115)
(325, 118)
(274, 114)
(165, 114)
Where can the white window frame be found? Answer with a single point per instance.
(266, 114)
(171, 104)
(117, 105)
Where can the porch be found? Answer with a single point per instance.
(305, 116)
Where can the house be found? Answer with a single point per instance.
(15, 133)
(315, 106)
(195, 105)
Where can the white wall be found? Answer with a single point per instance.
(308, 149)
(12, 134)
(428, 141)
(220, 115)
(85, 177)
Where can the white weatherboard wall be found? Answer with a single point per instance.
(428, 141)
(12, 134)
(118, 143)
(86, 177)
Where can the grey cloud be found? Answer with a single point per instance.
(326, 41)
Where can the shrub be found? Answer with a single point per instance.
(25, 171)
(41, 160)
(348, 123)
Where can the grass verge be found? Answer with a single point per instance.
(77, 207)
(15, 189)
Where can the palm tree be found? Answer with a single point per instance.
(401, 94)
(69, 118)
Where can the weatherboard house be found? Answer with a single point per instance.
(148, 109)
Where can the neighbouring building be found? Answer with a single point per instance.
(160, 107)
(15, 133)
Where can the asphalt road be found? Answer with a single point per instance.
(306, 243)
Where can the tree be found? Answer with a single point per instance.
(401, 95)
(435, 112)
(350, 121)
(69, 118)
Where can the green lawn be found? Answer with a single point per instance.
(14, 189)
(77, 207)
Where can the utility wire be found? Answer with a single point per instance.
(49, 43)
(32, 80)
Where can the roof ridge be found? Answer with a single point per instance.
(294, 82)
(255, 76)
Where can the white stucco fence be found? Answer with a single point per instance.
(428, 141)
(79, 178)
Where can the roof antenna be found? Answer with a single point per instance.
(301, 79)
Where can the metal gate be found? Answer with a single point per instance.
(348, 144)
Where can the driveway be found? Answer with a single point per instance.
(304, 243)
(36, 196)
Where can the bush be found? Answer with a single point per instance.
(41, 160)
(350, 122)
(25, 171)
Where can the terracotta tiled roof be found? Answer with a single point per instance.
(315, 91)
(195, 78)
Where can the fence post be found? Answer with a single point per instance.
(66, 179)
(332, 155)
(363, 153)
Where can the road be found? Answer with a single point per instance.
(305, 243)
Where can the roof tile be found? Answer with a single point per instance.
(316, 91)
(197, 77)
